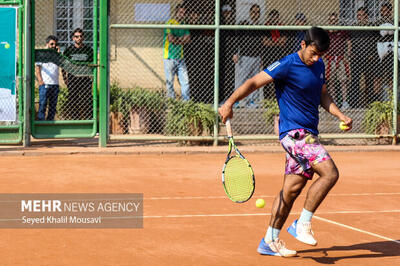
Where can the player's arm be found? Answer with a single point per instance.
(38, 70)
(250, 85)
(329, 105)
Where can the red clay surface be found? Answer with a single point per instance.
(189, 221)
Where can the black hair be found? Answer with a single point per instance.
(51, 38)
(79, 30)
(318, 37)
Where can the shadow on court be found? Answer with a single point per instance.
(358, 251)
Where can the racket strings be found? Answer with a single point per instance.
(239, 179)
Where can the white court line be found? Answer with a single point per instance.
(260, 214)
(269, 196)
(355, 229)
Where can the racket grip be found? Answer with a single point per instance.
(228, 127)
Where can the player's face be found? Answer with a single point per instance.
(310, 54)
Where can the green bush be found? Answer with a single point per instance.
(123, 100)
(62, 109)
(378, 117)
(187, 118)
(272, 109)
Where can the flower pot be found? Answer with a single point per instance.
(117, 125)
(139, 121)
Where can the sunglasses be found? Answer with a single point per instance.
(78, 36)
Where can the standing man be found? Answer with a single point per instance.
(174, 63)
(247, 59)
(338, 69)
(300, 88)
(384, 78)
(298, 36)
(363, 57)
(47, 76)
(80, 98)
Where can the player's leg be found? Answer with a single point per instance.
(271, 244)
(328, 176)
(309, 154)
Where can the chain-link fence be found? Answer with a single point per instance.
(65, 58)
(163, 79)
(10, 74)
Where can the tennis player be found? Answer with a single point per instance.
(300, 88)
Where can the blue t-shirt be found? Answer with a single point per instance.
(298, 91)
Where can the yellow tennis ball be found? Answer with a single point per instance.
(310, 139)
(343, 126)
(260, 203)
(7, 45)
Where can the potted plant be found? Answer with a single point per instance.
(188, 118)
(271, 113)
(378, 118)
(135, 109)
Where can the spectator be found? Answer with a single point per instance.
(227, 50)
(47, 76)
(275, 45)
(227, 16)
(383, 81)
(174, 62)
(247, 59)
(338, 70)
(300, 20)
(363, 59)
(199, 58)
(275, 40)
(80, 99)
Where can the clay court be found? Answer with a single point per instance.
(189, 221)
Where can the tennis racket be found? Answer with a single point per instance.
(237, 174)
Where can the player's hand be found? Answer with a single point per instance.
(348, 122)
(225, 111)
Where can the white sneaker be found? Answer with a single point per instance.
(302, 232)
(275, 248)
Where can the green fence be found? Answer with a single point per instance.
(124, 89)
(12, 131)
(232, 41)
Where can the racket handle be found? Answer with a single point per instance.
(228, 127)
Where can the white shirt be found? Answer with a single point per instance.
(49, 73)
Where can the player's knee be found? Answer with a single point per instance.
(294, 191)
(333, 176)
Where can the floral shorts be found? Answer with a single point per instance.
(302, 151)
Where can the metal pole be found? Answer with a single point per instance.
(21, 84)
(27, 71)
(216, 70)
(395, 71)
(95, 57)
(104, 65)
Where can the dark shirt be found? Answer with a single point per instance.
(250, 42)
(363, 46)
(83, 54)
